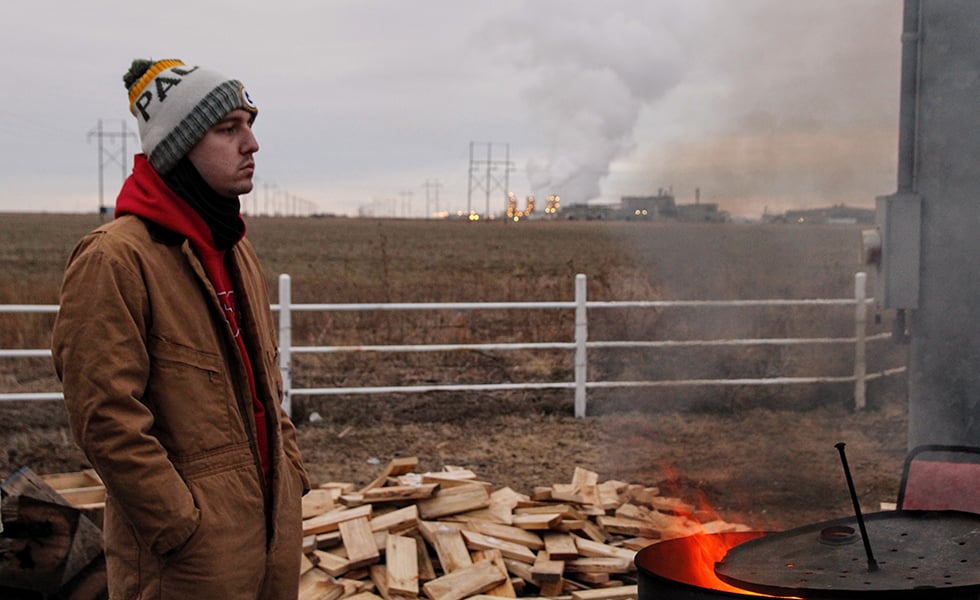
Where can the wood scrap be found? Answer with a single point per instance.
(401, 558)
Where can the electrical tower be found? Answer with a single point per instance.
(119, 156)
(493, 178)
(431, 187)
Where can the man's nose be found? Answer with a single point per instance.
(250, 145)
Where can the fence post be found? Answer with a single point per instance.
(285, 342)
(581, 337)
(860, 332)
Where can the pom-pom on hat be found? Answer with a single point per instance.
(175, 105)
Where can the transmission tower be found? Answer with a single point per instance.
(114, 155)
(493, 178)
(431, 188)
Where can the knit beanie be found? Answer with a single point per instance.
(175, 105)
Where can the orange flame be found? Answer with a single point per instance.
(692, 559)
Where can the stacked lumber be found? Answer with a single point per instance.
(448, 535)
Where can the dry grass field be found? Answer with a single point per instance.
(763, 456)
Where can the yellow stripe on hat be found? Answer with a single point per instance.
(153, 71)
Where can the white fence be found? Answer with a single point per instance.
(580, 344)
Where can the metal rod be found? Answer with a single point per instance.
(872, 563)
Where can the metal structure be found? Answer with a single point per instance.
(927, 238)
(113, 155)
(493, 180)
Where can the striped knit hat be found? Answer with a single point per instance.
(176, 104)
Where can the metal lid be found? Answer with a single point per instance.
(918, 554)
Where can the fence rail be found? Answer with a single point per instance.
(580, 345)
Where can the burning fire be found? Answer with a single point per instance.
(691, 559)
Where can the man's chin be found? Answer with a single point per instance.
(244, 188)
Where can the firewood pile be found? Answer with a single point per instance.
(443, 535)
(447, 535)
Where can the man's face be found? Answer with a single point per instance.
(223, 157)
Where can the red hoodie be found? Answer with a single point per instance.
(146, 195)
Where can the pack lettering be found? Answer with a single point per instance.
(182, 71)
(163, 85)
(142, 103)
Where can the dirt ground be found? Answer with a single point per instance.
(771, 469)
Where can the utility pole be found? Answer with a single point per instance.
(120, 157)
(431, 186)
(406, 203)
(492, 182)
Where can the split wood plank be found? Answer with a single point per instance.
(379, 576)
(586, 482)
(390, 493)
(478, 541)
(401, 558)
(594, 579)
(317, 585)
(329, 521)
(507, 533)
(453, 500)
(330, 563)
(536, 521)
(546, 570)
(565, 510)
(359, 542)
(396, 521)
(625, 592)
(520, 570)
(427, 571)
(506, 588)
(590, 548)
(305, 564)
(630, 527)
(451, 549)
(474, 579)
(601, 564)
(316, 502)
(397, 466)
(560, 546)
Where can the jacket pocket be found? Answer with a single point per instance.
(225, 556)
(191, 397)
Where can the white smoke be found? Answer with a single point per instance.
(752, 102)
(593, 67)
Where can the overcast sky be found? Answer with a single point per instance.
(759, 104)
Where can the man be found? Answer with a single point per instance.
(167, 353)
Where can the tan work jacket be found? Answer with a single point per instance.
(158, 399)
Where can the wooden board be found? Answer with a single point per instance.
(401, 558)
(474, 579)
(359, 542)
(329, 521)
(453, 500)
(478, 541)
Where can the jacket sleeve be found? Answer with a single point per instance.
(100, 354)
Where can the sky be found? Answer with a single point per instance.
(397, 107)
